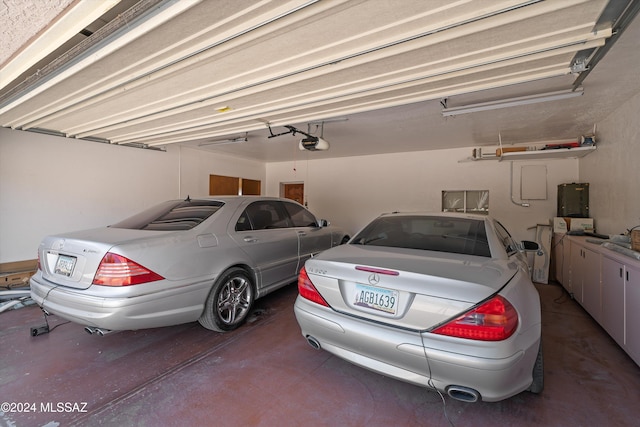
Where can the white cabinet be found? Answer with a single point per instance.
(607, 285)
(561, 249)
(591, 295)
(585, 278)
(632, 311)
(613, 281)
(575, 278)
(566, 265)
(556, 249)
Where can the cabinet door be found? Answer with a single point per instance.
(577, 271)
(591, 298)
(613, 281)
(556, 250)
(566, 265)
(632, 311)
(561, 259)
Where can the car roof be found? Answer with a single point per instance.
(230, 197)
(240, 198)
(480, 217)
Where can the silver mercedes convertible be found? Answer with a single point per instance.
(443, 301)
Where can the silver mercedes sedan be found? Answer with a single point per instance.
(180, 261)
(439, 300)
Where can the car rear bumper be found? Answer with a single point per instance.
(410, 356)
(151, 310)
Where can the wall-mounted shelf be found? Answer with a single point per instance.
(556, 153)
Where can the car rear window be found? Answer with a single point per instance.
(172, 216)
(430, 233)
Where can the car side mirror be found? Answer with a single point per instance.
(529, 246)
(323, 223)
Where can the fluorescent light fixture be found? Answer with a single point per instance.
(512, 102)
(332, 120)
(224, 141)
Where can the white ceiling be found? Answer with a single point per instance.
(159, 72)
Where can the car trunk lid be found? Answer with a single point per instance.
(72, 259)
(405, 287)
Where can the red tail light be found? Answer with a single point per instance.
(378, 270)
(116, 270)
(307, 290)
(495, 320)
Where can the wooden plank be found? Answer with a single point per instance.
(15, 280)
(17, 274)
(12, 267)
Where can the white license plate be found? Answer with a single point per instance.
(375, 298)
(65, 265)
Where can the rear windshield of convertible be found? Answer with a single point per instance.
(172, 216)
(431, 233)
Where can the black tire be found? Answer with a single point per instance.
(344, 240)
(229, 302)
(537, 385)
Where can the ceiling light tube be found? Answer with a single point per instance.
(512, 102)
(224, 141)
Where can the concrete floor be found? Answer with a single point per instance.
(265, 374)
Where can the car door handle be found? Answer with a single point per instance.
(301, 233)
(250, 239)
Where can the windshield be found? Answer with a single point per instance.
(172, 216)
(430, 233)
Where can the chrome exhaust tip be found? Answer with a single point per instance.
(464, 394)
(97, 331)
(313, 343)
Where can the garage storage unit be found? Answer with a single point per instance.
(606, 284)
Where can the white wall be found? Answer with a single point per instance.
(351, 191)
(51, 184)
(196, 166)
(613, 171)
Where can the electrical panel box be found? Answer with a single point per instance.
(533, 182)
(573, 200)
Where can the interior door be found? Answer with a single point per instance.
(294, 192)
